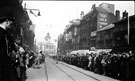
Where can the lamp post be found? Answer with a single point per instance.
(29, 23)
(55, 46)
(128, 30)
(31, 11)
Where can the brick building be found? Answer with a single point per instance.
(115, 35)
(100, 28)
(96, 19)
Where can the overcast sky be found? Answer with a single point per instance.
(55, 15)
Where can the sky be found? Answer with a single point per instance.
(55, 15)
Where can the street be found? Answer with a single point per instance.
(50, 71)
(61, 40)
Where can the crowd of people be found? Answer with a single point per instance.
(36, 59)
(15, 59)
(116, 65)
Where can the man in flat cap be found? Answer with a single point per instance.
(7, 69)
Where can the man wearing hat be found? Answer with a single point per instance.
(7, 69)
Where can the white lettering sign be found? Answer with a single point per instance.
(103, 15)
(93, 33)
(102, 20)
(103, 23)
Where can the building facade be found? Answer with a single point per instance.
(20, 30)
(48, 47)
(117, 35)
(124, 34)
(100, 28)
(96, 19)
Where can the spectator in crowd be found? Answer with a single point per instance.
(37, 60)
(39, 57)
(42, 57)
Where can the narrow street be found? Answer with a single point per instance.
(50, 71)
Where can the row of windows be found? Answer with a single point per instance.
(49, 47)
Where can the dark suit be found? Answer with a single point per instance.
(7, 70)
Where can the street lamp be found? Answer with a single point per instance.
(31, 11)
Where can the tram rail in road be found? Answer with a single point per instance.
(71, 77)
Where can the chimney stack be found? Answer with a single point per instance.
(117, 13)
(82, 14)
(125, 14)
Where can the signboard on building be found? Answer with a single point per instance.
(32, 27)
(68, 36)
(102, 20)
(93, 33)
(75, 31)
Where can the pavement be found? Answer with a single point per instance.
(36, 74)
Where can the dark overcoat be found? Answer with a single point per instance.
(7, 69)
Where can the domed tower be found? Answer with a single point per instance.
(47, 37)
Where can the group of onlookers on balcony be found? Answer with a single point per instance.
(116, 65)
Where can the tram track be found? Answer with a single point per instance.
(64, 72)
(71, 77)
(81, 72)
(46, 71)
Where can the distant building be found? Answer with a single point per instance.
(100, 28)
(48, 46)
(116, 34)
(62, 46)
(96, 19)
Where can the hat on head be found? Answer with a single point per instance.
(7, 18)
(6, 14)
(2, 19)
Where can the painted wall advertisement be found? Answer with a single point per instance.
(102, 20)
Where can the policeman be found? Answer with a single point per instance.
(7, 69)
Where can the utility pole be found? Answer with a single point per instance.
(128, 30)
